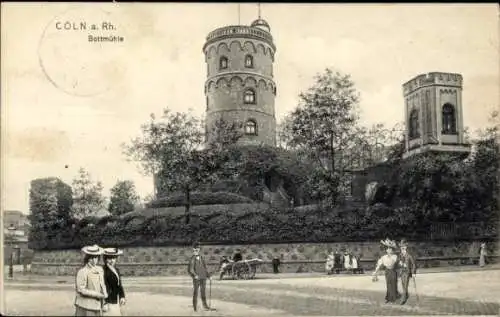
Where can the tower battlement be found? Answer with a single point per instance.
(240, 31)
(434, 116)
(432, 79)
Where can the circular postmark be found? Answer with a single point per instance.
(81, 49)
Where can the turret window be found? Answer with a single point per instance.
(223, 62)
(249, 61)
(449, 119)
(249, 96)
(413, 129)
(251, 127)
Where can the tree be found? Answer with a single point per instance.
(171, 149)
(123, 198)
(87, 195)
(324, 123)
(50, 205)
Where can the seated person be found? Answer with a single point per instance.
(358, 269)
(337, 262)
(223, 263)
(348, 261)
(329, 263)
(224, 260)
(237, 256)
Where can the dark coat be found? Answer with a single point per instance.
(407, 264)
(198, 267)
(237, 257)
(113, 285)
(337, 260)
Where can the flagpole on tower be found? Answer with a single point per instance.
(258, 4)
(239, 14)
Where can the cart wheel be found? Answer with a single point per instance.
(253, 270)
(246, 271)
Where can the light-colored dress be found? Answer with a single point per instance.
(329, 263)
(113, 309)
(347, 262)
(482, 256)
(354, 264)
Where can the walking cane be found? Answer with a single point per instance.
(210, 293)
(415, 287)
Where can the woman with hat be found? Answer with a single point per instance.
(113, 280)
(329, 263)
(482, 255)
(90, 286)
(389, 262)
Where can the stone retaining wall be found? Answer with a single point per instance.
(295, 257)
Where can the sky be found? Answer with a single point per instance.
(68, 101)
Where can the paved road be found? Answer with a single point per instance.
(455, 293)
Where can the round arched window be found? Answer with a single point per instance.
(448, 119)
(251, 127)
(223, 62)
(249, 61)
(249, 96)
(413, 132)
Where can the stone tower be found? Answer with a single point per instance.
(240, 86)
(433, 114)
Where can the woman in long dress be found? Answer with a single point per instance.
(329, 263)
(389, 262)
(113, 280)
(482, 255)
(347, 261)
(354, 263)
(90, 286)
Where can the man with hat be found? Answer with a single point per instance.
(197, 268)
(408, 269)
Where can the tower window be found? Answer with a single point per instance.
(223, 62)
(251, 127)
(448, 119)
(249, 96)
(414, 130)
(249, 61)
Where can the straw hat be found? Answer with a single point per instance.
(112, 252)
(403, 244)
(92, 250)
(389, 243)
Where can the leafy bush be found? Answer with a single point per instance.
(200, 198)
(305, 224)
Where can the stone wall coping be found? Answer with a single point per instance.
(263, 262)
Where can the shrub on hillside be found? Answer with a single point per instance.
(252, 226)
(200, 198)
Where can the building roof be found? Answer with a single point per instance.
(261, 23)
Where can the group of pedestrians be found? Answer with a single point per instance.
(346, 260)
(99, 289)
(100, 292)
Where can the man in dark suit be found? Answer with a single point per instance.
(408, 269)
(237, 256)
(337, 262)
(197, 268)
